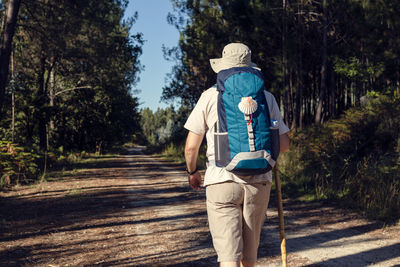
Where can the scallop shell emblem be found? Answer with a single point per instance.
(248, 105)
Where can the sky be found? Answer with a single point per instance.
(152, 22)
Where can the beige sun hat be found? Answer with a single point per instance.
(233, 55)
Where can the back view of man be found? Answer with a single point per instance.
(236, 202)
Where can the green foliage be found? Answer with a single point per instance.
(75, 64)
(174, 152)
(286, 43)
(16, 164)
(164, 125)
(164, 133)
(355, 158)
(355, 69)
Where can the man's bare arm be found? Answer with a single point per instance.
(193, 142)
(284, 142)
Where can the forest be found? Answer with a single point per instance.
(71, 69)
(68, 71)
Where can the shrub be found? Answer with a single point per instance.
(354, 158)
(175, 151)
(16, 164)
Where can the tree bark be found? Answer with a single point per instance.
(42, 100)
(332, 95)
(284, 62)
(7, 35)
(12, 100)
(322, 92)
(51, 92)
(299, 100)
(293, 105)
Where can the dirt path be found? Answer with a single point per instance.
(137, 211)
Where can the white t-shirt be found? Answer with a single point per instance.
(202, 120)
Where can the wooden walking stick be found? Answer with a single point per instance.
(280, 214)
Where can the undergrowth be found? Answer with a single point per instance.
(354, 159)
(17, 164)
(24, 165)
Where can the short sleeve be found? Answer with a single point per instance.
(197, 118)
(275, 113)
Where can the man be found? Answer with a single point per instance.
(236, 205)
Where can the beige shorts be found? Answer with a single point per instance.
(236, 214)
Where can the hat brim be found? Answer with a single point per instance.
(218, 64)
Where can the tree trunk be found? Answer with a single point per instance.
(349, 93)
(12, 100)
(51, 90)
(342, 96)
(299, 100)
(286, 108)
(10, 21)
(293, 105)
(322, 92)
(333, 97)
(41, 104)
(284, 62)
(316, 89)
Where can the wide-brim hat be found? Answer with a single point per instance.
(233, 55)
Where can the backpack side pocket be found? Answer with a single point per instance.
(275, 145)
(221, 147)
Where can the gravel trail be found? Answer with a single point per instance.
(137, 210)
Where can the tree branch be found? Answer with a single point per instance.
(72, 89)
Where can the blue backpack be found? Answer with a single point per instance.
(246, 140)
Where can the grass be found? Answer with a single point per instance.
(174, 153)
(71, 165)
(57, 175)
(75, 162)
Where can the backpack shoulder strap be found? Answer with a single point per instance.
(223, 75)
(266, 105)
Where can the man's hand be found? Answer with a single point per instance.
(195, 181)
(193, 142)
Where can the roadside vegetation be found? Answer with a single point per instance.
(20, 166)
(354, 159)
(163, 132)
(72, 70)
